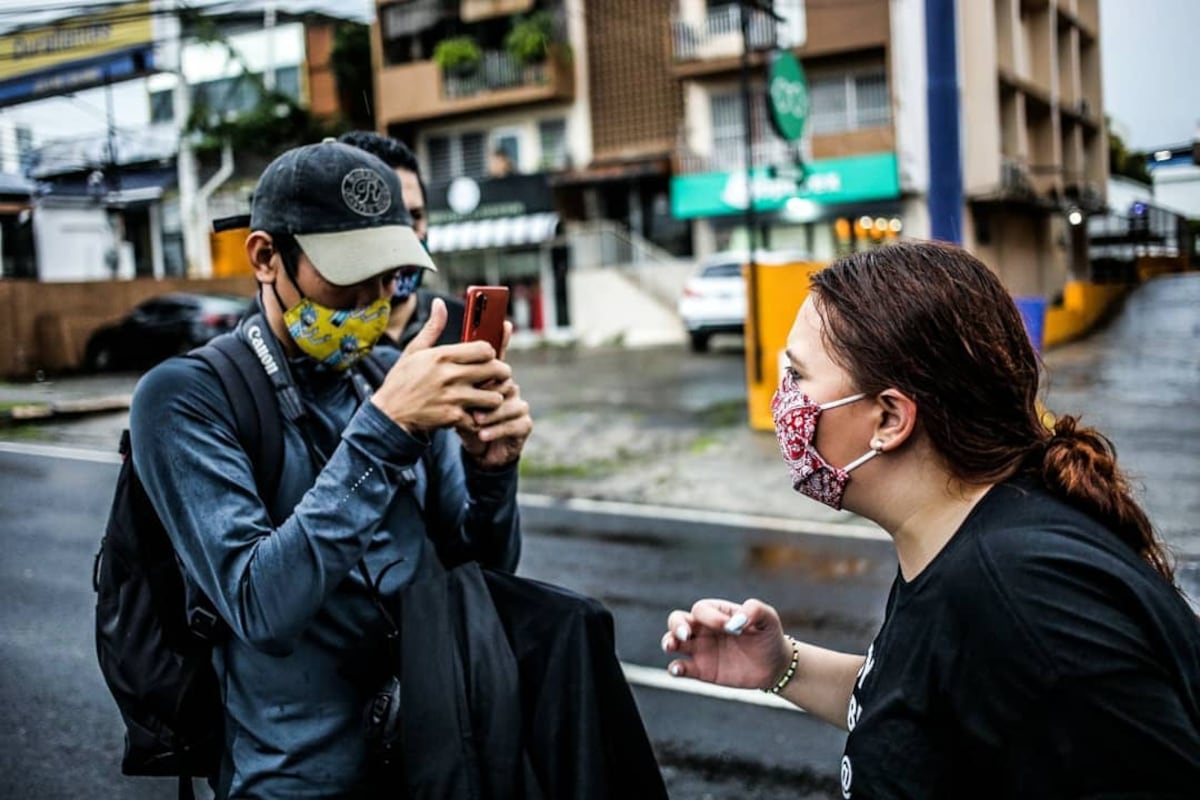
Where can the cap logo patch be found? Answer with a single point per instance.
(365, 192)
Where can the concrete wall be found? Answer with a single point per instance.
(76, 243)
(608, 308)
(45, 326)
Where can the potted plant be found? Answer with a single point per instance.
(458, 55)
(530, 38)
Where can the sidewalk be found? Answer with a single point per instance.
(660, 427)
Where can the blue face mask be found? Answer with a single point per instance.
(406, 284)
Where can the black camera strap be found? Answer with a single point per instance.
(270, 355)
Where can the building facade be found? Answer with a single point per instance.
(490, 95)
(108, 193)
(644, 126)
(851, 195)
(1035, 154)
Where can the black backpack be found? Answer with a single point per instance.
(155, 631)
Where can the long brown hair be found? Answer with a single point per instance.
(932, 321)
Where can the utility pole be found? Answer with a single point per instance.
(196, 249)
(269, 18)
(114, 171)
(751, 214)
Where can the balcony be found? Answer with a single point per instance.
(719, 34)
(422, 91)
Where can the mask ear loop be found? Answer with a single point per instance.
(291, 269)
(876, 450)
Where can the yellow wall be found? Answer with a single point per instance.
(1084, 304)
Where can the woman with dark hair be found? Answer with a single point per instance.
(1034, 642)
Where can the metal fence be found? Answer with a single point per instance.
(496, 70)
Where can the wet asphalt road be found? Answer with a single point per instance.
(60, 736)
(1138, 381)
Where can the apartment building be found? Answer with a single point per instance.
(636, 116)
(110, 199)
(491, 94)
(851, 195)
(1035, 145)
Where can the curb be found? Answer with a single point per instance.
(619, 518)
(28, 413)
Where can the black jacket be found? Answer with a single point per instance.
(515, 692)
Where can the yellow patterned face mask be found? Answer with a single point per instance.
(335, 337)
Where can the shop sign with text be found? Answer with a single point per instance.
(829, 181)
(76, 53)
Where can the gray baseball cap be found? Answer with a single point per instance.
(344, 207)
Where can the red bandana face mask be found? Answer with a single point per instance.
(796, 429)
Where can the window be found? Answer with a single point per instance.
(162, 106)
(453, 155)
(729, 145)
(287, 82)
(552, 137)
(26, 153)
(871, 103)
(848, 102)
(474, 157)
(728, 269)
(234, 95)
(441, 163)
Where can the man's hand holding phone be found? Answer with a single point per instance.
(466, 386)
(497, 435)
(432, 387)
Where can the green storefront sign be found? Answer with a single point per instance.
(787, 96)
(831, 181)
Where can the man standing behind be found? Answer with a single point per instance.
(411, 305)
(289, 573)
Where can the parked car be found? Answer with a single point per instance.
(714, 298)
(162, 327)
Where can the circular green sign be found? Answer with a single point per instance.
(787, 95)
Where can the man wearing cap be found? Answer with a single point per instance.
(411, 304)
(286, 573)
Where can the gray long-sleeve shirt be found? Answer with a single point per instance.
(298, 608)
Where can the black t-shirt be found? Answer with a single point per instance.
(1037, 656)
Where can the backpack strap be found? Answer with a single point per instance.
(252, 397)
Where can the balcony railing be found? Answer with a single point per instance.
(733, 159)
(720, 33)
(496, 70)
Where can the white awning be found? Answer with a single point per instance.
(487, 234)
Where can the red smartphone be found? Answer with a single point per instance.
(487, 308)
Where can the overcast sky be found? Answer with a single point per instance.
(1151, 62)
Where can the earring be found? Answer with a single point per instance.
(877, 445)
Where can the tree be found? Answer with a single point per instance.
(1126, 162)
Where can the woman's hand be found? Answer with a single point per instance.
(721, 642)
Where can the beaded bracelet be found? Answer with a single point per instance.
(791, 670)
